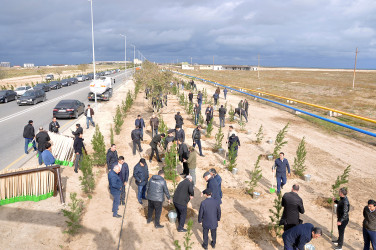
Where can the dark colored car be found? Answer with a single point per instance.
(73, 80)
(66, 82)
(68, 109)
(86, 77)
(91, 76)
(55, 85)
(32, 97)
(42, 86)
(7, 95)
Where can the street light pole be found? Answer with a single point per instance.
(92, 41)
(134, 58)
(125, 53)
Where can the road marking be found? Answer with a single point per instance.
(14, 162)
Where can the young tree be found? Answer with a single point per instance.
(256, 176)
(87, 178)
(260, 135)
(118, 120)
(232, 157)
(99, 147)
(279, 141)
(162, 128)
(218, 139)
(111, 136)
(73, 215)
(187, 238)
(209, 129)
(341, 179)
(276, 216)
(299, 161)
(231, 114)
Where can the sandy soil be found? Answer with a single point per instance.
(244, 220)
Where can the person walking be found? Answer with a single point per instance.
(154, 146)
(218, 91)
(234, 141)
(154, 123)
(209, 114)
(213, 185)
(29, 135)
(196, 138)
(280, 165)
(209, 215)
(54, 126)
(369, 225)
(222, 115)
(190, 96)
(179, 134)
(218, 178)
(116, 185)
(123, 174)
(240, 105)
(78, 146)
(156, 190)
(199, 99)
(179, 120)
(136, 140)
(89, 113)
(246, 105)
(215, 97)
(170, 138)
(141, 176)
(225, 93)
(78, 131)
(139, 122)
(47, 156)
(183, 194)
(298, 236)
(197, 111)
(293, 205)
(183, 156)
(343, 208)
(41, 138)
(111, 156)
(192, 164)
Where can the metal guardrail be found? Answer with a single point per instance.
(296, 109)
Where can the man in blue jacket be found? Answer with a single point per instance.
(218, 178)
(115, 189)
(141, 176)
(47, 156)
(281, 164)
(213, 185)
(139, 122)
(209, 215)
(124, 175)
(296, 237)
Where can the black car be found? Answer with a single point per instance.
(91, 76)
(55, 85)
(68, 109)
(73, 80)
(42, 86)
(7, 95)
(86, 77)
(66, 82)
(32, 97)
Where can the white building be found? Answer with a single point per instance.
(28, 65)
(218, 67)
(137, 61)
(5, 64)
(186, 66)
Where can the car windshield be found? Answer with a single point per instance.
(20, 88)
(29, 93)
(3, 92)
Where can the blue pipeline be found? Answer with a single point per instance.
(287, 106)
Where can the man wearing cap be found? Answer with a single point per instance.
(156, 190)
(218, 178)
(29, 135)
(141, 176)
(115, 189)
(154, 146)
(78, 131)
(78, 146)
(183, 194)
(139, 122)
(41, 138)
(179, 120)
(209, 215)
(281, 165)
(89, 113)
(213, 185)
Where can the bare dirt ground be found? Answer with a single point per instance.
(30, 225)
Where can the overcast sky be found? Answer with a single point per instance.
(302, 33)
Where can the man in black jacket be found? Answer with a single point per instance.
(213, 185)
(234, 140)
(141, 176)
(183, 194)
(139, 122)
(179, 134)
(209, 215)
(154, 146)
(183, 155)
(293, 205)
(179, 120)
(197, 111)
(111, 156)
(343, 208)
(196, 138)
(190, 96)
(29, 135)
(54, 126)
(156, 189)
(222, 114)
(169, 138)
(209, 114)
(136, 139)
(41, 138)
(78, 146)
(124, 175)
(78, 131)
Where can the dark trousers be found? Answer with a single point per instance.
(77, 161)
(142, 133)
(288, 226)
(154, 149)
(185, 168)
(221, 121)
(369, 238)
(157, 206)
(182, 214)
(40, 160)
(281, 181)
(198, 142)
(135, 143)
(341, 232)
(197, 117)
(27, 141)
(116, 203)
(206, 236)
(122, 196)
(215, 101)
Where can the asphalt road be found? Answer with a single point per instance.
(13, 118)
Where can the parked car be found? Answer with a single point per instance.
(68, 109)
(91, 76)
(43, 86)
(55, 85)
(73, 80)
(21, 90)
(107, 73)
(49, 77)
(86, 77)
(7, 95)
(32, 97)
(80, 78)
(66, 82)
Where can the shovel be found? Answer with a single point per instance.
(272, 189)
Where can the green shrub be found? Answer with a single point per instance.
(209, 129)
(276, 216)
(232, 157)
(218, 139)
(256, 176)
(231, 114)
(118, 120)
(260, 135)
(112, 136)
(87, 178)
(187, 238)
(299, 161)
(279, 141)
(73, 215)
(99, 147)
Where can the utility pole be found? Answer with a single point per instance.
(92, 41)
(258, 67)
(125, 51)
(213, 62)
(191, 61)
(356, 56)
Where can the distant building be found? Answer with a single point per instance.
(187, 67)
(17, 66)
(254, 68)
(206, 67)
(28, 65)
(218, 67)
(137, 61)
(236, 67)
(5, 64)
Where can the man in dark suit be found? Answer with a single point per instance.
(293, 205)
(179, 120)
(136, 139)
(183, 194)
(141, 176)
(209, 215)
(41, 138)
(297, 237)
(139, 122)
(124, 175)
(183, 156)
(179, 134)
(154, 146)
(111, 156)
(213, 185)
(115, 189)
(54, 126)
